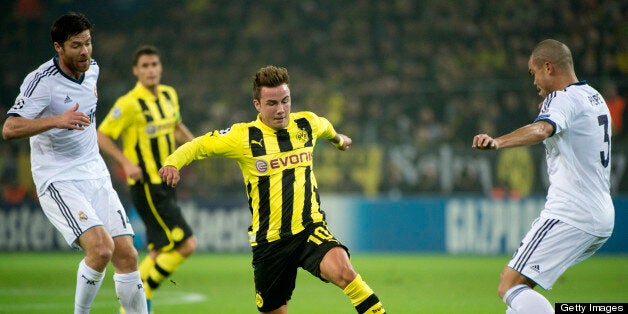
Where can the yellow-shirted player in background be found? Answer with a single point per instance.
(288, 229)
(148, 120)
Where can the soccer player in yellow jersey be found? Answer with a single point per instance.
(147, 119)
(288, 230)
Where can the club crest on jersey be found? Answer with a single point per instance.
(303, 136)
(261, 166)
(82, 216)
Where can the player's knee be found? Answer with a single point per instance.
(188, 246)
(342, 275)
(191, 244)
(100, 253)
(125, 259)
(501, 290)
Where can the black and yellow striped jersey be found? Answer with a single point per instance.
(277, 168)
(147, 126)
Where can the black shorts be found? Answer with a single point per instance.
(275, 264)
(157, 206)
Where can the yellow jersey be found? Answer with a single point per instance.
(147, 126)
(277, 168)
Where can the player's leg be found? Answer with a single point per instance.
(67, 208)
(548, 249)
(128, 283)
(329, 260)
(170, 238)
(98, 247)
(516, 287)
(160, 265)
(518, 293)
(337, 269)
(275, 268)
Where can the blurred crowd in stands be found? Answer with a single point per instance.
(410, 81)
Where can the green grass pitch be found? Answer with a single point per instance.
(223, 283)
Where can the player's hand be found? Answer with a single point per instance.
(169, 175)
(483, 142)
(73, 119)
(133, 171)
(346, 142)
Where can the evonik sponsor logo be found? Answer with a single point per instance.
(290, 160)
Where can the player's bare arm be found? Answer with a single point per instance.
(20, 127)
(527, 135)
(169, 175)
(109, 147)
(182, 134)
(341, 141)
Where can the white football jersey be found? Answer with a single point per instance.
(578, 159)
(61, 154)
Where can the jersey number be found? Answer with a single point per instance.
(122, 218)
(605, 156)
(321, 235)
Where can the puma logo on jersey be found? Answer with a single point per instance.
(260, 142)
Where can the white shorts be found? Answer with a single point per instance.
(74, 207)
(549, 248)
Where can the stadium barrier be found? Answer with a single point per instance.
(452, 225)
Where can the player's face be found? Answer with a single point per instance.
(75, 54)
(541, 77)
(274, 106)
(148, 70)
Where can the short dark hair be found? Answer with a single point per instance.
(269, 76)
(143, 51)
(554, 51)
(69, 25)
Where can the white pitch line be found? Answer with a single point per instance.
(165, 298)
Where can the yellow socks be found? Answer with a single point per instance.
(145, 267)
(155, 272)
(362, 297)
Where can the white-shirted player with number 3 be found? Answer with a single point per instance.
(56, 107)
(574, 124)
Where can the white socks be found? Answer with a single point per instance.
(130, 292)
(88, 282)
(523, 300)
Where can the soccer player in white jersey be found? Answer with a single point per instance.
(574, 124)
(56, 108)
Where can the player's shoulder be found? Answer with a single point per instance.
(575, 94)
(167, 89)
(235, 131)
(561, 97)
(40, 79)
(308, 115)
(305, 114)
(239, 127)
(128, 100)
(46, 70)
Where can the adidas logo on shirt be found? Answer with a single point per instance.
(67, 99)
